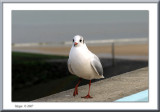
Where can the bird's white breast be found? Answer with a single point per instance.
(80, 62)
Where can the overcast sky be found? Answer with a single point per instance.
(57, 26)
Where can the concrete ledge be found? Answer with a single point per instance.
(106, 90)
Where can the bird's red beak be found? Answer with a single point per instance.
(75, 43)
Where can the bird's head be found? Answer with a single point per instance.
(78, 41)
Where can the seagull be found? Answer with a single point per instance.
(83, 63)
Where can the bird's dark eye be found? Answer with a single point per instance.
(80, 40)
(73, 40)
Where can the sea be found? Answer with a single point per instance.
(56, 33)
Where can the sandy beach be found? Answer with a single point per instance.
(121, 50)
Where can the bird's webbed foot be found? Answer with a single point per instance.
(88, 96)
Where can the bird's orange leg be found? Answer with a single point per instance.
(88, 96)
(76, 88)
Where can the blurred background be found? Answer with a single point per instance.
(41, 41)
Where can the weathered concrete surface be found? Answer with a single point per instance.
(105, 90)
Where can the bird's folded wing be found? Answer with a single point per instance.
(69, 67)
(96, 64)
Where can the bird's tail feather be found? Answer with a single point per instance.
(102, 76)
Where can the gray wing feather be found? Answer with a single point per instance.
(69, 67)
(97, 66)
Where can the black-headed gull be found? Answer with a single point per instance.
(83, 63)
